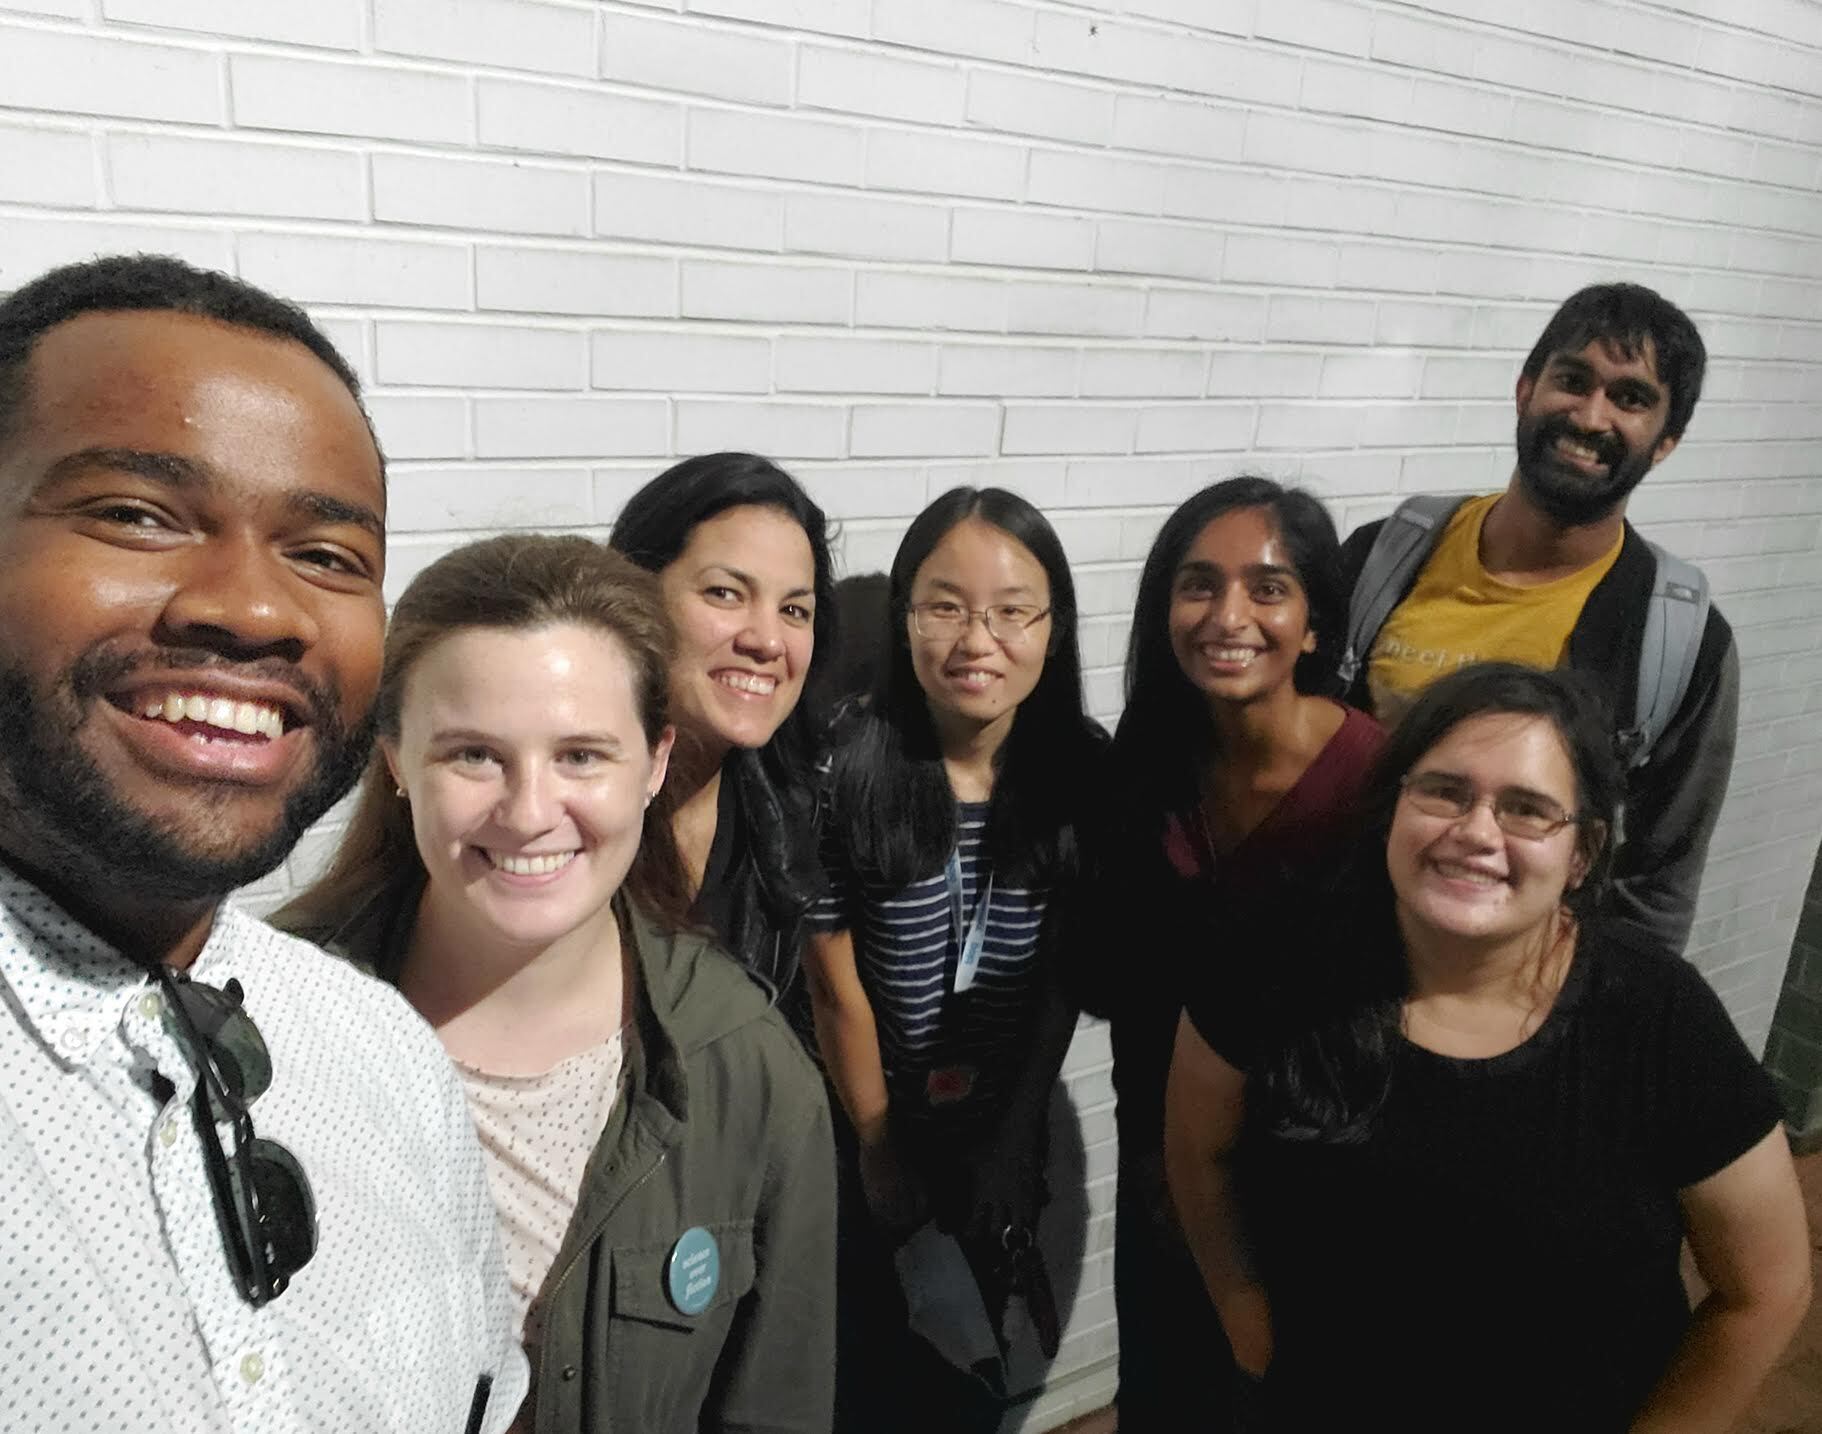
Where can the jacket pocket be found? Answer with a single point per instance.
(662, 1359)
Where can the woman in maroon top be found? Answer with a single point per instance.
(1239, 785)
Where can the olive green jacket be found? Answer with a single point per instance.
(722, 1123)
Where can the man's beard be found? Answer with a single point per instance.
(1570, 498)
(72, 809)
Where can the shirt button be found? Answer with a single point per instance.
(151, 1005)
(568, 1372)
(252, 1367)
(167, 1133)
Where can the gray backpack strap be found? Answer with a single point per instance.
(1403, 543)
(1675, 620)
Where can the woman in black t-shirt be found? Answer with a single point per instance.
(1440, 1179)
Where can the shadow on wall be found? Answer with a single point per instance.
(1063, 1236)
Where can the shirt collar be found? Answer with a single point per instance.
(69, 985)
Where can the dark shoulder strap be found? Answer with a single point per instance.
(1405, 541)
(1675, 619)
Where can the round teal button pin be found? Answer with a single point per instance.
(693, 1270)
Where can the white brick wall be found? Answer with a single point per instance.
(1100, 252)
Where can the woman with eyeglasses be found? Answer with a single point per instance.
(742, 556)
(1443, 1182)
(657, 1143)
(951, 841)
(1237, 783)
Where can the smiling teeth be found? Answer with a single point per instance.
(757, 683)
(253, 719)
(974, 681)
(1454, 871)
(541, 865)
(1233, 654)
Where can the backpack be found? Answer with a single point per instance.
(1674, 618)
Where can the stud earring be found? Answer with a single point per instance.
(401, 792)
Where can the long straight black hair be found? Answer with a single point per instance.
(1165, 733)
(775, 784)
(890, 798)
(1338, 1008)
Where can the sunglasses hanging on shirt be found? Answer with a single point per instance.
(262, 1198)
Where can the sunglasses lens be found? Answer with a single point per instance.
(287, 1210)
(234, 1042)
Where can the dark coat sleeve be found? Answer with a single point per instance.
(1674, 801)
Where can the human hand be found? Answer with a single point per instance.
(895, 1195)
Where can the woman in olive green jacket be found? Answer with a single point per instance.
(658, 1143)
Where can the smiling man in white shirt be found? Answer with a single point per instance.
(238, 1185)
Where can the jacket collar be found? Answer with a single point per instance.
(1610, 630)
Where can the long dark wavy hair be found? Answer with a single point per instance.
(517, 582)
(891, 803)
(1165, 735)
(774, 785)
(1334, 1024)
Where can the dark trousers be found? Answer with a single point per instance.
(887, 1379)
(1176, 1370)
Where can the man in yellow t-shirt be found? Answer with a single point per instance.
(1549, 573)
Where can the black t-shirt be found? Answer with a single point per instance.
(1501, 1250)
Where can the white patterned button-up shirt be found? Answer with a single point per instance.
(118, 1310)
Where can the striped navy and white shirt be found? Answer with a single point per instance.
(972, 1042)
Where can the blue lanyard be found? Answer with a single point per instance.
(974, 936)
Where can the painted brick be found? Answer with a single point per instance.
(1196, 427)
(689, 211)
(680, 362)
(508, 34)
(987, 29)
(689, 58)
(433, 499)
(783, 293)
(1257, 259)
(865, 228)
(1076, 309)
(47, 166)
(1068, 428)
(1197, 314)
(87, 74)
(943, 430)
(925, 163)
(564, 427)
(186, 175)
(1092, 181)
(1143, 373)
(501, 196)
(1179, 251)
(1021, 238)
(1318, 24)
(420, 425)
(479, 356)
(328, 24)
(338, 269)
(1264, 373)
(372, 101)
(931, 301)
(775, 146)
(1180, 127)
(821, 17)
(29, 246)
(784, 430)
(572, 119)
(817, 365)
(1029, 104)
(993, 369)
(869, 84)
(570, 281)
(1372, 375)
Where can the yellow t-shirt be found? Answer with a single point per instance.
(1456, 614)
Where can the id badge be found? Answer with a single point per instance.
(947, 1085)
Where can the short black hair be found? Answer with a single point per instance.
(147, 282)
(1628, 316)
